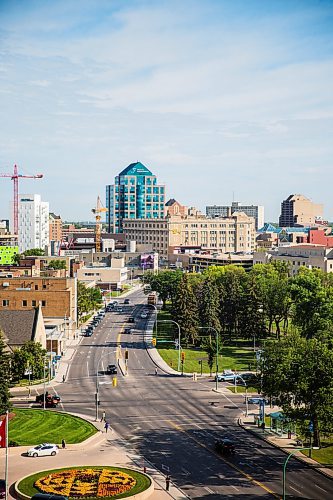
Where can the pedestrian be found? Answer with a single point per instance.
(106, 427)
(167, 483)
(155, 371)
(63, 444)
(103, 417)
(63, 378)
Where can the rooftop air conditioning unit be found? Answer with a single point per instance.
(5, 283)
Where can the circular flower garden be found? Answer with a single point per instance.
(86, 482)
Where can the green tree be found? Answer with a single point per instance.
(38, 252)
(186, 309)
(312, 309)
(4, 377)
(88, 299)
(57, 264)
(251, 319)
(298, 371)
(209, 345)
(31, 355)
(230, 294)
(165, 283)
(209, 303)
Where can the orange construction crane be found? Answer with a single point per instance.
(97, 212)
(15, 176)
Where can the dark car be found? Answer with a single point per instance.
(225, 446)
(2, 488)
(127, 330)
(111, 370)
(88, 333)
(131, 319)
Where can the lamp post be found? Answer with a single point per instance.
(217, 352)
(175, 322)
(285, 467)
(97, 384)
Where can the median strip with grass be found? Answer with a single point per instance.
(30, 427)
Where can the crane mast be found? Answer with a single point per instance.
(15, 176)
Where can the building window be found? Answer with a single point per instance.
(33, 303)
(36, 287)
(5, 303)
(43, 303)
(44, 286)
(24, 303)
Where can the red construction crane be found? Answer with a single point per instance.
(15, 177)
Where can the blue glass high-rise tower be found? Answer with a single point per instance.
(135, 194)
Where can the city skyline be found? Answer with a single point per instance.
(232, 101)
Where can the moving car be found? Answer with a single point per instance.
(111, 370)
(120, 309)
(42, 450)
(127, 301)
(2, 488)
(127, 330)
(225, 446)
(131, 319)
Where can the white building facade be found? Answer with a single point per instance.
(33, 222)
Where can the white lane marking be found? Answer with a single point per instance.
(209, 490)
(317, 485)
(88, 369)
(294, 489)
(237, 489)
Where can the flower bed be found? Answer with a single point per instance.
(86, 482)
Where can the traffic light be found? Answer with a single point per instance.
(153, 341)
(183, 356)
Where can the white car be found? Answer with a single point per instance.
(144, 315)
(43, 450)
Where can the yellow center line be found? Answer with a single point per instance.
(233, 466)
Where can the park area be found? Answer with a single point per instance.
(49, 426)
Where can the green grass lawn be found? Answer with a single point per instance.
(31, 427)
(325, 454)
(26, 486)
(232, 357)
(241, 390)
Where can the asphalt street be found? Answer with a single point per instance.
(173, 421)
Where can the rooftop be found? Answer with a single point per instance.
(136, 169)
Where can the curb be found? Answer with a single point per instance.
(311, 465)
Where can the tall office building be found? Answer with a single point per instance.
(33, 222)
(135, 194)
(256, 211)
(297, 210)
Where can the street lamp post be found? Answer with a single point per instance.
(285, 467)
(217, 352)
(97, 384)
(175, 322)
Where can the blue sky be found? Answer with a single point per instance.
(219, 98)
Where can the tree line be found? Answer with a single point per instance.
(292, 313)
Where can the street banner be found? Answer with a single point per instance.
(3, 433)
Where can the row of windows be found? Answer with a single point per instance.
(6, 302)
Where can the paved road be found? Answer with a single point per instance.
(172, 422)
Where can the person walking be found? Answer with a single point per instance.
(155, 371)
(106, 427)
(103, 416)
(63, 444)
(167, 483)
(63, 378)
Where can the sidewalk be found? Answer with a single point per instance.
(282, 442)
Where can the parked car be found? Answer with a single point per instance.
(257, 400)
(144, 315)
(42, 450)
(111, 370)
(247, 378)
(127, 301)
(127, 330)
(225, 446)
(226, 376)
(131, 319)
